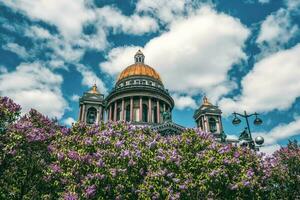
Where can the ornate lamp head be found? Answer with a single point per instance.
(259, 140)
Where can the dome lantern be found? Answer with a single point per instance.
(139, 57)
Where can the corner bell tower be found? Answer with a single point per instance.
(91, 106)
(208, 118)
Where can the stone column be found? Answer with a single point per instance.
(80, 112)
(218, 127)
(110, 112)
(83, 113)
(115, 111)
(203, 123)
(221, 125)
(131, 109)
(100, 114)
(149, 110)
(158, 111)
(141, 109)
(97, 116)
(164, 107)
(123, 110)
(206, 124)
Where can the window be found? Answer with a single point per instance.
(91, 115)
(212, 125)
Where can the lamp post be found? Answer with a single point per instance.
(246, 136)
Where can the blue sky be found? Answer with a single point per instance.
(243, 54)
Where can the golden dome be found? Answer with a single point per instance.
(139, 69)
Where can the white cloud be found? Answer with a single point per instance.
(69, 121)
(269, 149)
(38, 32)
(292, 4)
(164, 10)
(272, 84)
(184, 102)
(264, 1)
(17, 49)
(280, 132)
(134, 24)
(3, 69)
(75, 97)
(276, 30)
(33, 86)
(90, 78)
(67, 15)
(193, 56)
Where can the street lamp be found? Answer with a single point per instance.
(246, 137)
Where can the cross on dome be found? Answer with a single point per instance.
(139, 57)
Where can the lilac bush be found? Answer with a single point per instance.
(41, 160)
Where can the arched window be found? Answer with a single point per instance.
(212, 125)
(91, 115)
(127, 113)
(145, 113)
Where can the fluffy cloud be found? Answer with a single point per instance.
(272, 84)
(67, 15)
(34, 86)
(90, 78)
(292, 4)
(69, 121)
(276, 30)
(165, 10)
(193, 56)
(264, 1)
(184, 102)
(281, 132)
(17, 49)
(269, 149)
(75, 97)
(134, 24)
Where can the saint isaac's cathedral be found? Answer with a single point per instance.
(139, 97)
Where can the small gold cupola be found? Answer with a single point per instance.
(206, 102)
(94, 90)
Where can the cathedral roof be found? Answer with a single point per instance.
(139, 69)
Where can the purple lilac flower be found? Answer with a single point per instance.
(64, 130)
(125, 153)
(119, 144)
(236, 154)
(100, 163)
(91, 191)
(60, 156)
(88, 141)
(55, 168)
(246, 183)
(152, 144)
(73, 155)
(250, 173)
(70, 196)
